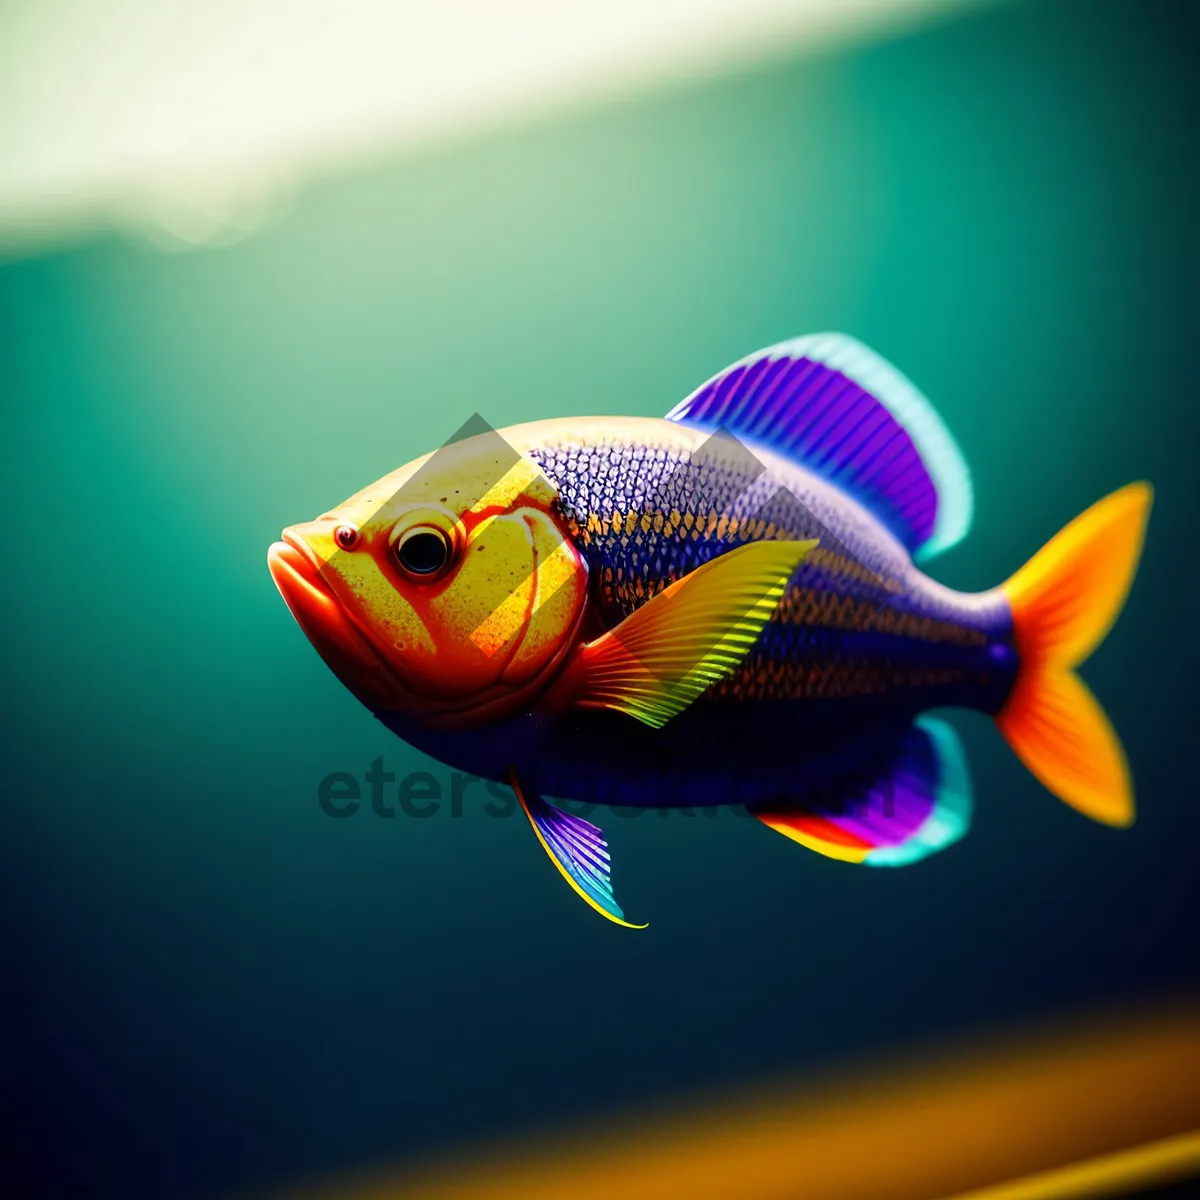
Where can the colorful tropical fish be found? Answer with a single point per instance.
(719, 607)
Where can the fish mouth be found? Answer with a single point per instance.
(297, 575)
(296, 570)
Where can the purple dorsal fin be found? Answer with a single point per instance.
(839, 410)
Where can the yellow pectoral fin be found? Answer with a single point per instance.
(690, 636)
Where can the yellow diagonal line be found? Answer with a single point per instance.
(1158, 1163)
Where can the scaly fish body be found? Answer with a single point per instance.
(722, 606)
(861, 642)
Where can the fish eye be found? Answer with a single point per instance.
(346, 536)
(422, 550)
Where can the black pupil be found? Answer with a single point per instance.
(422, 553)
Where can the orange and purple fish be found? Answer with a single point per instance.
(719, 607)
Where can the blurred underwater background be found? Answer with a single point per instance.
(212, 987)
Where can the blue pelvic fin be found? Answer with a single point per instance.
(842, 412)
(577, 848)
(907, 804)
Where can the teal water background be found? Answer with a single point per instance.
(211, 984)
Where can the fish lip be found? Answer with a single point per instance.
(296, 573)
(296, 569)
(305, 550)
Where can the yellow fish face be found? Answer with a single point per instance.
(449, 590)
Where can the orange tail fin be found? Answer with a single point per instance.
(1064, 600)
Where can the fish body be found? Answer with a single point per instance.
(861, 643)
(722, 606)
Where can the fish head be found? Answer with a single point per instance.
(450, 591)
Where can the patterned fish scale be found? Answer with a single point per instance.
(857, 619)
